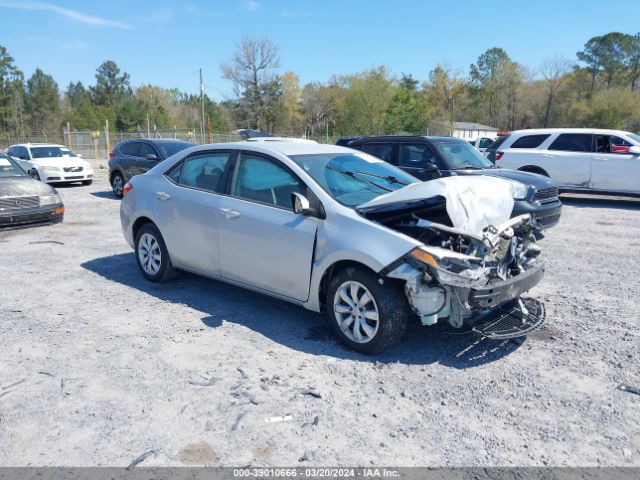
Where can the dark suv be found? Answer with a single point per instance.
(135, 157)
(432, 157)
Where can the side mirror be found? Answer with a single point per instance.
(634, 150)
(431, 169)
(79, 155)
(33, 173)
(151, 156)
(301, 204)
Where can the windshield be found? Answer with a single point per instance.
(9, 169)
(353, 178)
(51, 152)
(167, 149)
(634, 137)
(461, 155)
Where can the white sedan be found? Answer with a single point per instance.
(52, 163)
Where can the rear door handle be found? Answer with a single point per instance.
(228, 213)
(164, 196)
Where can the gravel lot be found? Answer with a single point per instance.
(98, 366)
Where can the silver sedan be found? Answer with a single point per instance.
(336, 230)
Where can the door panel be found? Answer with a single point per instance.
(568, 159)
(141, 165)
(614, 171)
(263, 243)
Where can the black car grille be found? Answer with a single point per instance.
(75, 177)
(546, 222)
(72, 169)
(546, 194)
(17, 203)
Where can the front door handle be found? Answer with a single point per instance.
(164, 196)
(228, 213)
(600, 159)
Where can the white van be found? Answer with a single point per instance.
(577, 159)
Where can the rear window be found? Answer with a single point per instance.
(130, 148)
(529, 141)
(572, 142)
(500, 140)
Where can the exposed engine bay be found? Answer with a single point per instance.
(459, 274)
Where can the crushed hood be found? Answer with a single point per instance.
(472, 202)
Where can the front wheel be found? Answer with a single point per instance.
(152, 255)
(367, 316)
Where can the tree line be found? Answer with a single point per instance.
(599, 88)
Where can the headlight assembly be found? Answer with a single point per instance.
(49, 199)
(518, 190)
(450, 268)
(50, 168)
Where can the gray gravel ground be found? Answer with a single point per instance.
(98, 366)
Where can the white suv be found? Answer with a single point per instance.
(577, 159)
(52, 163)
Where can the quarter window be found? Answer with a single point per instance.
(529, 141)
(130, 148)
(265, 181)
(572, 142)
(416, 155)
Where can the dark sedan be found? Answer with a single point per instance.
(134, 157)
(24, 200)
(432, 157)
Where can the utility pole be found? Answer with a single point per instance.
(201, 109)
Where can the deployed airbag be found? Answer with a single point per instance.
(472, 202)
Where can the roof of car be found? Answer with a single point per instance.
(284, 147)
(156, 140)
(39, 145)
(406, 138)
(535, 131)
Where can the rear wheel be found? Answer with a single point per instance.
(152, 256)
(367, 316)
(117, 184)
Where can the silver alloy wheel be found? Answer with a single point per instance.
(118, 185)
(149, 254)
(356, 312)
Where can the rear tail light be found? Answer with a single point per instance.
(499, 155)
(111, 154)
(127, 188)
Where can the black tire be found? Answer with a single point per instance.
(117, 184)
(87, 182)
(166, 270)
(392, 305)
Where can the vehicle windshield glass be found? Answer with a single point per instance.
(634, 137)
(9, 169)
(51, 152)
(460, 155)
(353, 178)
(167, 149)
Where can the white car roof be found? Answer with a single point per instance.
(39, 145)
(603, 131)
(283, 147)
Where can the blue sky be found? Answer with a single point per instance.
(165, 42)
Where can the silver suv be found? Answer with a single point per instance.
(334, 229)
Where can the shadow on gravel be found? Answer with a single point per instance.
(108, 194)
(297, 328)
(599, 202)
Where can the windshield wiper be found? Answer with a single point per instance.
(353, 175)
(389, 178)
(472, 167)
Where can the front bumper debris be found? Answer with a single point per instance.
(494, 294)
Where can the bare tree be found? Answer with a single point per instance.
(318, 107)
(554, 71)
(252, 71)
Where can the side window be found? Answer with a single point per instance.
(130, 148)
(619, 145)
(572, 142)
(529, 141)
(146, 149)
(384, 151)
(485, 142)
(23, 153)
(205, 171)
(265, 181)
(415, 155)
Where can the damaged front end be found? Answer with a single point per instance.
(461, 274)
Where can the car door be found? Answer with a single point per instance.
(142, 163)
(263, 243)
(613, 168)
(567, 159)
(128, 158)
(188, 209)
(413, 158)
